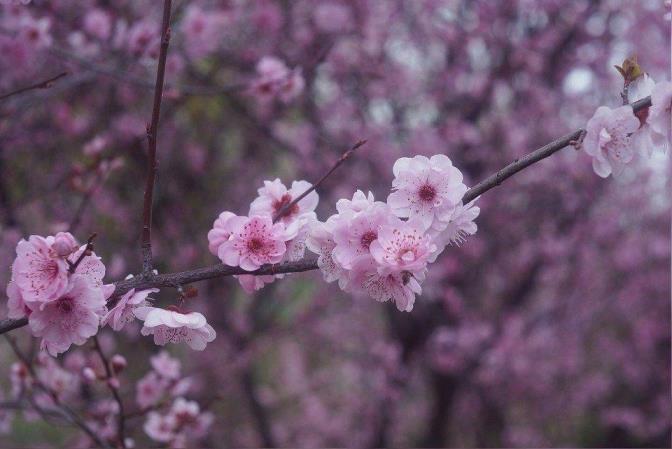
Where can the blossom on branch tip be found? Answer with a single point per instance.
(169, 326)
(608, 139)
(38, 271)
(274, 196)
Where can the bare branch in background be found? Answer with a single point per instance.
(46, 84)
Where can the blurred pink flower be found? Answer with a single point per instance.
(98, 24)
(165, 365)
(660, 114)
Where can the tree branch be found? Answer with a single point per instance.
(344, 157)
(121, 439)
(41, 85)
(310, 263)
(151, 140)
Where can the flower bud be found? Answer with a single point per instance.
(118, 363)
(89, 374)
(64, 244)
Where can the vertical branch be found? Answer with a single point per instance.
(152, 129)
(121, 438)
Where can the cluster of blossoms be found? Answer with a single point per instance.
(163, 387)
(614, 136)
(63, 300)
(58, 285)
(381, 248)
(257, 239)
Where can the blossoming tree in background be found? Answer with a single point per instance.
(548, 326)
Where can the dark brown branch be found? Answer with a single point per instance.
(310, 262)
(46, 84)
(121, 439)
(151, 140)
(344, 157)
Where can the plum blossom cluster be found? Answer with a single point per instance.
(614, 136)
(59, 286)
(383, 248)
(171, 419)
(258, 238)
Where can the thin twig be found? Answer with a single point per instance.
(66, 411)
(344, 157)
(121, 439)
(152, 130)
(41, 85)
(86, 252)
(310, 262)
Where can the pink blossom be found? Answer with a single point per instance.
(38, 272)
(36, 31)
(359, 202)
(169, 326)
(321, 242)
(143, 38)
(332, 17)
(608, 139)
(274, 78)
(16, 306)
(150, 389)
(275, 195)
(71, 318)
(460, 225)
(402, 246)
(122, 313)
(202, 30)
(354, 233)
(255, 241)
(400, 287)
(91, 267)
(252, 283)
(189, 419)
(660, 114)
(159, 427)
(427, 188)
(98, 23)
(165, 365)
(220, 232)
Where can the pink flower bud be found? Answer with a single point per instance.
(118, 363)
(113, 382)
(89, 374)
(64, 244)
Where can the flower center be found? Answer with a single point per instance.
(367, 238)
(427, 192)
(284, 201)
(255, 244)
(64, 305)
